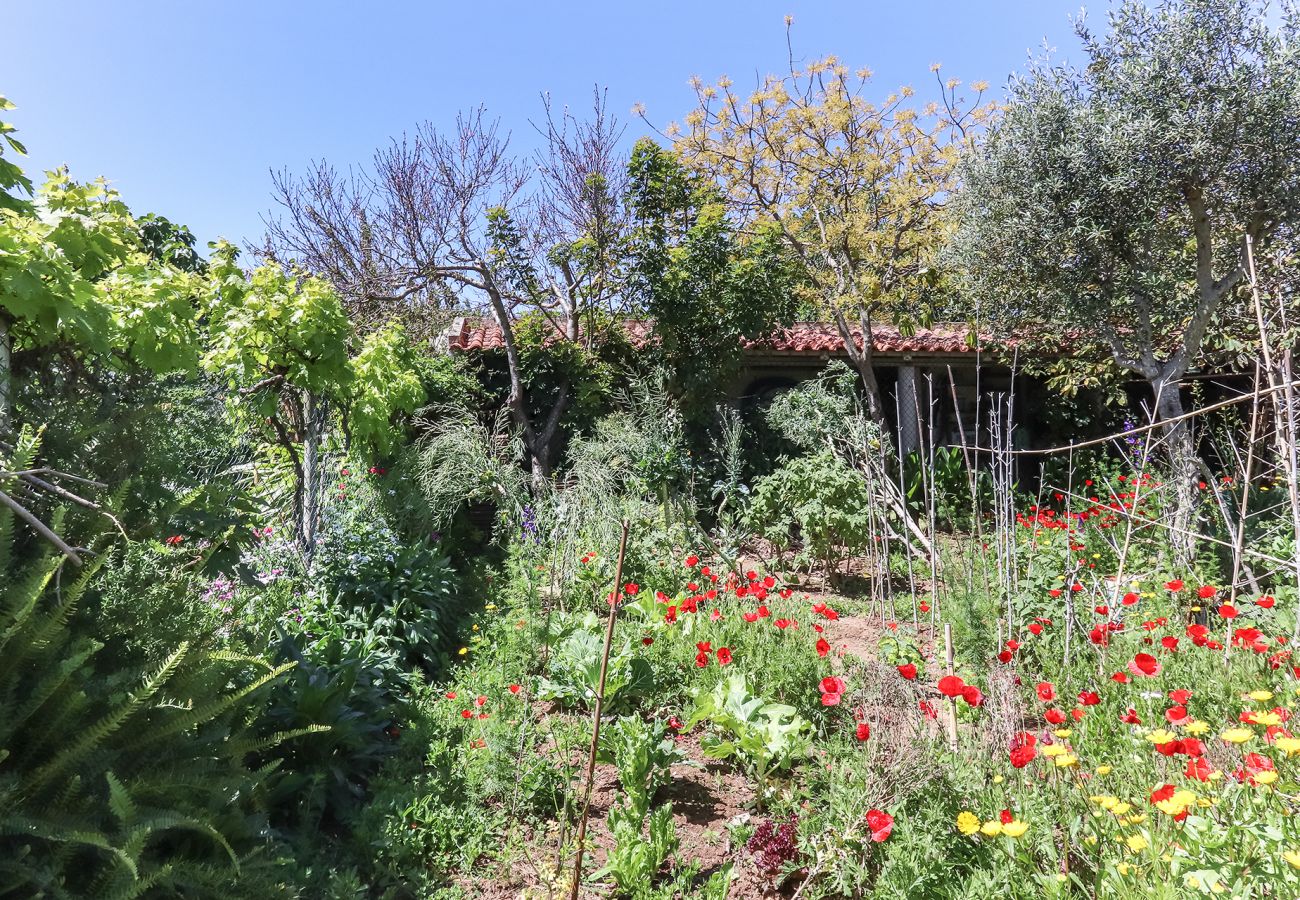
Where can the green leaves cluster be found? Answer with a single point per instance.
(820, 499)
(1114, 200)
(706, 285)
(643, 755)
(766, 738)
(121, 783)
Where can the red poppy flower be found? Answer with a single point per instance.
(692, 561)
(832, 685)
(972, 695)
(1175, 585)
(881, 825)
(1199, 769)
(1129, 599)
(1180, 696)
(466, 714)
(1206, 591)
(1145, 665)
(823, 647)
(1265, 602)
(515, 689)
(1169, 642)
(1022, 756)
(749, 616)
(674, 723)
(1121, 678)
(924, 607)
(1164, 792)
(928, 709)
(1176, 715)
(783, 624)
(951, 686)
(1035, 629)
(1022, 749)
(1046, 692)
(631, 588)
(724, 656)
(863, 731)
(908, 671)
(480, 701)
(1005, 817)
(450, 695)
(1089, 698)
(1228, 611)
(764, 612)
(1054, 716)
(647, 640)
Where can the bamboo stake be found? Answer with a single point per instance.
(595, 717)
(952, 701)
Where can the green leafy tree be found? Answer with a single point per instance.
(284, 345)
(706, 286)
(1116, 202)
(82, 302)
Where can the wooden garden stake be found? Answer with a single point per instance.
(595, 718)
(952, 701)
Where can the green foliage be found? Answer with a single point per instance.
(643, 755)
(768, 739)
(11, 175)
(706, 286)
(401, 594)
(949, 479)
(573, 676)
(1111, 200)
(818, 499)
(386, 376)
(273, 324)
(117, 783)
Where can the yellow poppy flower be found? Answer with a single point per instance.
(991, 828)
(1260, 696)
(1196, 727)
(1104, 770)
(1237, 735)
(1015, 828)
(1136, 843)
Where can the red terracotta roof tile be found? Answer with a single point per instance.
(470, 334)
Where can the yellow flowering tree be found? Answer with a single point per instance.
(856, 189)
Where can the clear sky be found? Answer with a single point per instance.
(186, 105)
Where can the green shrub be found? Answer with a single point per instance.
(817, 500)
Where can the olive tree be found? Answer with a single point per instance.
(1116, 201)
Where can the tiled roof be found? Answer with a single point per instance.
(470, 334)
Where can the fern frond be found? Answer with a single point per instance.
(109, 723)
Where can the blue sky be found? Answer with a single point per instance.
(185, 105)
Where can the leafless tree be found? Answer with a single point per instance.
(455, 220)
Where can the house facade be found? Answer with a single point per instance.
(931, 379)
